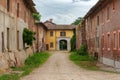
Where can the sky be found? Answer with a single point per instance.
(63, 11)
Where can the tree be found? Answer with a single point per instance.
(36, 16)
(28, 37)
(78, 21)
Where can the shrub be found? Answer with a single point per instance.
(73, 42)
(82, 50)
(28, 36)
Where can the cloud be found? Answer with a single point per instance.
(63, 11)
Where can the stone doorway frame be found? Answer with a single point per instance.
(63, 38)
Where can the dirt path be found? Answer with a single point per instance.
(58, 67)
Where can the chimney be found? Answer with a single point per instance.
(51, 20)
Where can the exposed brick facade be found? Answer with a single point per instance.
(103, 31)
(15, 15)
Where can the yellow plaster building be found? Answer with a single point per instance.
(58, 36)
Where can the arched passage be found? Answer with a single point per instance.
(63, 44)
(66, 40)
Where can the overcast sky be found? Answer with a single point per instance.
(63, 11)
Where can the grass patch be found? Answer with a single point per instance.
(31, 62)
(10, 77)
(85, 61)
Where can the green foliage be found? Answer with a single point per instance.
(85, 61)
(28, 36)
(78, 21)
(73, 42)
(36, 16)
(82, 50)
(32, 62)
(10, 77)
(77, 57)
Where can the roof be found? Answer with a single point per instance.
(95, 7)
(53, 26)
(31, 5)
(42, 25)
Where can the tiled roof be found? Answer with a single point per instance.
(51, 25)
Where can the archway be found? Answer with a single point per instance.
(63, 44)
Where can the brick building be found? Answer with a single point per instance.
(41, 36)
(15, 15)
(103, 31)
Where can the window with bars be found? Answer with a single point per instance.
(62, 33)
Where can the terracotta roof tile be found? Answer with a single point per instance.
(51, 25)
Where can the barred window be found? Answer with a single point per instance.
(62, 33)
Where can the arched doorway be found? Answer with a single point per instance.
(63, 44)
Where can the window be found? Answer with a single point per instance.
(17, 9)
(91, 26)
(108, 13)
(108, 41)
(51, 33)
(113, 2)
(25, 16)
(103, 42)
(3, 46)
(102, 17)
(51, 45)
(8, 38)
(119, 39)
(115, 40)
(97, 39)
(8, 5)
(98, 20)
(62, 33)
(43, 40)
(18, 40)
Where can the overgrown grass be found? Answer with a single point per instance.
(10, 77)
(85, 61)
(31, 62)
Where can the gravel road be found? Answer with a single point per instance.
(59, 67)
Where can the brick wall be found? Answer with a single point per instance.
(102, 32)
(10, 22)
